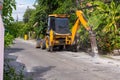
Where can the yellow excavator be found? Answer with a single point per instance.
(58, 34)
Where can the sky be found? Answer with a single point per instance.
(21, 6)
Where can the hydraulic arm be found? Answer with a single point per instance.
(81, 19)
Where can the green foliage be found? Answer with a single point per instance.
(8, 7)
(21, 28)
(66, 7)
(13, 29)
(27, 15)
(84, 38)
(105, 21)
(7, 18)
(52, 5)
(8, 39)
(39, 16)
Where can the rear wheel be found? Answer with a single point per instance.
(42, 44)
(68, 47)
(50, 48)
(75, 48)
(61, 47)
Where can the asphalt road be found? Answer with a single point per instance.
(60, 65)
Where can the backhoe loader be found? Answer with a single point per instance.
(59, 35)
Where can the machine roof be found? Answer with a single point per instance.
(60, 15)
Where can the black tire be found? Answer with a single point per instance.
(61, 47)
(42, 45)
(75, 48)
(50, 49)
(68, 47)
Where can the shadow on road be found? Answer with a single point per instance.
(11, 60)
(38, 72)
(8, 53)
(12, 50)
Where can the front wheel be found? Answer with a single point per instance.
(48, 47)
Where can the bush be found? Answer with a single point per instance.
(8, 39)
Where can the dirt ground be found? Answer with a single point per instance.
(60, 65)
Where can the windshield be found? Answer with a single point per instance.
(62, 22)
(61, 25)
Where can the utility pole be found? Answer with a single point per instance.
(1, 42)
(17, 18)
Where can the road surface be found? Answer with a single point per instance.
(60, 65)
